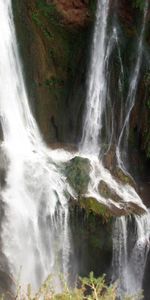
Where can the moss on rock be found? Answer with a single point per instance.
(91, 205)
(77, 172)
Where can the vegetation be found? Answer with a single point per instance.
(90, 288)
(92, 205)
(139, 4)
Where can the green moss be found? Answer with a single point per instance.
(91, 205)
(54, 82)
(77, 172)
(48, 10)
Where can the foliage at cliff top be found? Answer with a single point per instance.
(90, 288)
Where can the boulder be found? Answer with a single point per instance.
(77, 172)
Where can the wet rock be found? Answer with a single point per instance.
(92, 240)
(65, 146)
(109, 159)
(118, 206)
(52, 51)
(110, 163)
(91, 205)
(145, 192)
(124, 178)
(77, 172)
(107, 192)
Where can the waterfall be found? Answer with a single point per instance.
(36, 238)
(129, 256)
(35, 234)
(96, 93)
(130, 101)
(131, 243)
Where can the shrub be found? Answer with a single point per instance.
(89, 288)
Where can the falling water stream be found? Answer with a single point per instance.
(128, 258)
(130, 101)
(96, 93)
(35, 232)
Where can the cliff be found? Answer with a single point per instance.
(54, 40)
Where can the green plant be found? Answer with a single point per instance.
(88, 288)
(139, 4)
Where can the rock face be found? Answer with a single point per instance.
(54, 43)
(74, 12)
(92, 242)
(104, 202)
(53, 40)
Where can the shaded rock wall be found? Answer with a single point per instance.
(53, 38)
(92, 242)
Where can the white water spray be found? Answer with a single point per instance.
(131, 243)
(96, 93)
(129, 260)
(128, 268)
(35, 231)
(36, 212)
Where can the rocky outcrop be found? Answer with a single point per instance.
(77, 172)
(105, 200)
(74, 12)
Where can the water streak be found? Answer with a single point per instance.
(96, 93)
(122, 150)
(131, 244)
(36, 209)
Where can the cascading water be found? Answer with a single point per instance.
(129, 265)
(35, 233)
(97, 98)
(128, 262)
(96, 94)
(130, 101)
(131, 243)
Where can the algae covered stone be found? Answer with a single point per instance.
(77, 172)
(92, 205)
